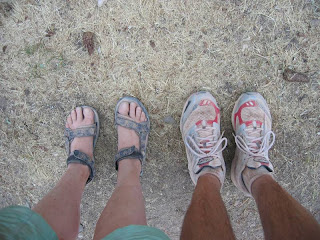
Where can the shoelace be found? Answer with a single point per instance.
(209, 147)
(255, 146)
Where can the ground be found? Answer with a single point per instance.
(160, 52)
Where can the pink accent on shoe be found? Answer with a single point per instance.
(209, 122)
(250, 103)
(206, 102)
(204, 164)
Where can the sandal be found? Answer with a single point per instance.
(142, 129)
(84, 131)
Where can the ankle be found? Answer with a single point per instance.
(249, 176)
(260, 184)
(80, 170)
(130, 165)
(211, 179)
(129, 171)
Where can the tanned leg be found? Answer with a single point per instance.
(281, 215)
(61, 206)
(126, 205)
(207, 216)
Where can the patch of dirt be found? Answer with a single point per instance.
(152, 44)
(6, 9)
(3, 103)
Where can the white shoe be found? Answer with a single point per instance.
(200, 129)
(251, 121)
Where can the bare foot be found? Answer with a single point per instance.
(78, 118)
(128, 137)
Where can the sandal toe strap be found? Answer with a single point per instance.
(82, 158)
(85, 131)
(127, 123)
(128, 153)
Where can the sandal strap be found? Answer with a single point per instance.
(127, 123)
(142, 129)
(82, 158)
(128, 153)
(84, 131)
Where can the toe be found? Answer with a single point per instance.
(88, 115)
(79, 113)
(73, 115)
(69, 122)
(133, 107)
(124, 109)
(138, 113)
(143, 117)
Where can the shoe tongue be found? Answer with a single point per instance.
(203, 126)
(205, 160)
(212, 162)
(255, 133)
(203, 133)
(256, 162)
(253, 164)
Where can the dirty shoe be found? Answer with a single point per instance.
(251, 121)
(200, 129)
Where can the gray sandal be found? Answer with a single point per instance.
(142, 129)
(84, 131)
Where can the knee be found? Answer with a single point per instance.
(70, 234)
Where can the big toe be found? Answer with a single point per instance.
(88, 115)
(124, 109)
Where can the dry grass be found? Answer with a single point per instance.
(160, 52)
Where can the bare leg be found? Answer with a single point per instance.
(126, 205)
(282, 216)
(207, 216)
(61, 206)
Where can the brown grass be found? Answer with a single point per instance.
(160, 52)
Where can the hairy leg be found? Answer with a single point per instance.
(207, 216)
(281, 215)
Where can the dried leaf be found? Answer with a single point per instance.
(293, 76)
(88, 41)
